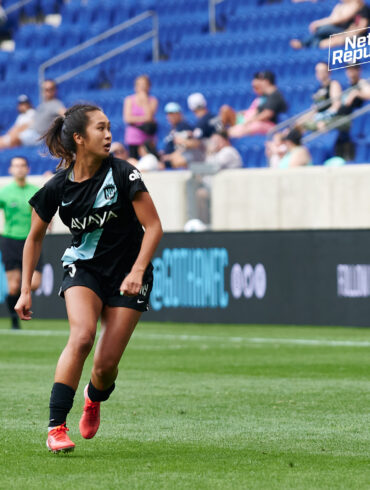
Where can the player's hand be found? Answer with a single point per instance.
(23, 306)
(131, 284)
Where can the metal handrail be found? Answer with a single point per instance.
(336, 123)
(16, 6)
(110, 54)
(288, 122)
(212, 14)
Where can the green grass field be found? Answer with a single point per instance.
(196, 407)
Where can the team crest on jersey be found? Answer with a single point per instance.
(109, 191)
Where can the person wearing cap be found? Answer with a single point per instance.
(296, 154)
(18, 134)
(193, 148)
(178, 127)
(41, 119)
(264, 115)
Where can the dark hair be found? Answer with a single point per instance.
(144, 77)
(265, 75)
(150, 148)
(223, 134)
(59, 137)
(294, 136)
(21, 157)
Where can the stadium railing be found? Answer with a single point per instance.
(153, 34)
(212, 14)
(16, 6)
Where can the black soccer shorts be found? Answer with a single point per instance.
(110, 296)
(12, 253)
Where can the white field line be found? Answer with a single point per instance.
(205, 338)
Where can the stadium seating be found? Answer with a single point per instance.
(252, 36)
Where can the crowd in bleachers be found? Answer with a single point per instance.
(238, 84)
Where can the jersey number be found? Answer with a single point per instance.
(72, 270)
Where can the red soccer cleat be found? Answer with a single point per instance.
(58, 440)
(90, 420)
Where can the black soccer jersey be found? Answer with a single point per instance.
(106, 234)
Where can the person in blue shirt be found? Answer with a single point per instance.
(178, 124)
(191, 146)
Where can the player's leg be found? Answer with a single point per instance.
(11, 251)
(117, 326)
(83, 309)
(14, 284)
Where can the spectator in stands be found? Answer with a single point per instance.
(20, 133)
(296, 154)
(139, 112)
(341, 17)
(262, 117)
(326, 101)
(118, 150)
(229, 117)
(221, 156)
(360, 91)
(351, 100)
(44, 115)
(149, 158)
(179, 127)
(191, 147)
(275, 149)
(359, 24)
(50, 108)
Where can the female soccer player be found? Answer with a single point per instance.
(108, 273)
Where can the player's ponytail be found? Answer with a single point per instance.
(60, 136)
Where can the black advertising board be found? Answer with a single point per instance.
(260, 277)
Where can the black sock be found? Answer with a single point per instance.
(11, 301)
(61, 401)
(96, 395)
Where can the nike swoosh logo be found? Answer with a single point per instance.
(66, 203)
(140, 301)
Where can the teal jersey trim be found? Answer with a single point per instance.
(106, 196)
(85, 251)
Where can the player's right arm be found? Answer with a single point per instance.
(31, 255)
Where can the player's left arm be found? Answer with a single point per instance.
(149, 219)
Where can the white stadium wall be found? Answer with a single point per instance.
(303, 198)
(263, 199)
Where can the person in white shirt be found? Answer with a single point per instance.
(148, 160)
(19, 134)
(221, 156)
(221, 153)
